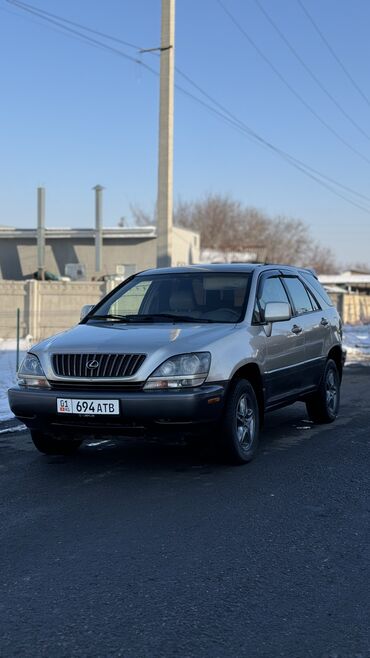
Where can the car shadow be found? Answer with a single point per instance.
(174, 452)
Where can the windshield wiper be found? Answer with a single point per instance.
(111, 316)
(149, 317)
(152, 317)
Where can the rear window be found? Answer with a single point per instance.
(299, 295)
(316, 285)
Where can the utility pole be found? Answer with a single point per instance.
(165, 159)
(98, 227)
(41, 233)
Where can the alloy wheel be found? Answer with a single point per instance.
(245, 422)
(331, 388)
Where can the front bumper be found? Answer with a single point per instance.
(37, 408)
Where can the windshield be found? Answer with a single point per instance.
(195, 297)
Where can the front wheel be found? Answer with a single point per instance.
(239, 434)
(322, 406)
(50, 445)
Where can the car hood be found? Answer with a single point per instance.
(157, 341)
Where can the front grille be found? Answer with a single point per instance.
(96, 386)
(108, 365)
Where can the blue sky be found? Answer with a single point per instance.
(73, 115)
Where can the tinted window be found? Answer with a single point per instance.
(299, 295)
(316, 285)
(272, 290)
(314, 303)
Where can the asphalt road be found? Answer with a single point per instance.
(146, 550)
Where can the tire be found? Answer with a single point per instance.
(322, 406)
(239, 434)
(50, 445)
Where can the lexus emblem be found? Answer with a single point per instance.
(93, 365)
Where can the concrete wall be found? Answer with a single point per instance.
(46, 307)
(13, 295)
(186, 247)
(18, 259)
(353, 307)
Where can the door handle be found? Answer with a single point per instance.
(296, 329)
(324, 322)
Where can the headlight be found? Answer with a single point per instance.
(31, 373)
(181, 371)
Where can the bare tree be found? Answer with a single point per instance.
(218, 219)
(225, 224)
(363, 268)
(321, 259)
(140, 217)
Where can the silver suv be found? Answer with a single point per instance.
(208, 348)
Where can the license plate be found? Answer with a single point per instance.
(87, 407)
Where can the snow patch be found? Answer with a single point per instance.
(11, 430)
(8, 359)
(356, 340)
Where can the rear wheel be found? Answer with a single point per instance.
(322, 406)
(51, 445)
(239, 434)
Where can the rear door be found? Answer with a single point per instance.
(315, 328)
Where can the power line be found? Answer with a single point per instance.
(55, 19)
(309, 71)
(26, 6)
(310, 172)
(41, 14)
(241, 125)
(34, 19)
(297, 164)
(333, 53)
(222, 113)
(289, 86)
(232, 120)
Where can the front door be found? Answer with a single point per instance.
(284, 346)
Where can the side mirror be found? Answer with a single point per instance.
(85, 310)
(277, 311)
